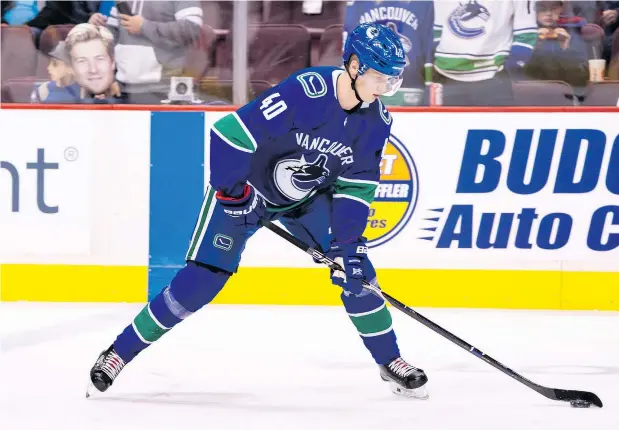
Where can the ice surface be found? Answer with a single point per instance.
(250, 367)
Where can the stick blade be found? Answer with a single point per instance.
(577, 396)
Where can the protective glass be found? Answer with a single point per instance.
(386, 85)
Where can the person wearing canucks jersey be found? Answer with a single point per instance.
(305, 153)
(482, 45)
(412, 21)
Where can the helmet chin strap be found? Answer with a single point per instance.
(352, 84)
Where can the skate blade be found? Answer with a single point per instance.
(90, 390)
(420, 393)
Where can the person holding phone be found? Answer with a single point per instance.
(151, 39)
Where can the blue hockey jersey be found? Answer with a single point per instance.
(413, 21)
(295, 140)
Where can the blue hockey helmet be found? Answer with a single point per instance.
(378, 47)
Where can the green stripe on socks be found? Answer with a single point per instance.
(372, 323)
(147, 327)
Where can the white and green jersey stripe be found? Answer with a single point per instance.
(232, 131)
(206, 213)
(474, 39)
(359, 190)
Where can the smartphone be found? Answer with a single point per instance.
(124, 8)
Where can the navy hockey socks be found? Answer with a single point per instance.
(193, 287)
(372, 319)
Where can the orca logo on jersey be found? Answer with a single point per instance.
(295, 179)
(468, 20)
(396, 195)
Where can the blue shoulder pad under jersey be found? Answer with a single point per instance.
(355, 188)
(274, 113)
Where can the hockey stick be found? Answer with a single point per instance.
(576, 398)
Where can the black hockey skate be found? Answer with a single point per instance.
(405, 380)
(105, 370)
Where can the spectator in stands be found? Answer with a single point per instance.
(18, 12)
(5, 6)
(84, 11)
(482, 46)
(61, 88)
(560, 52)
(610, 22)
(38, 15)
(41, 14)
(603, 13)
(91, 52)
(151, 42)
(52, 13)
(413, 22)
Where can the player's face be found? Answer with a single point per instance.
(373, 84)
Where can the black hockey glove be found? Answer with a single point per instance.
(248, 208)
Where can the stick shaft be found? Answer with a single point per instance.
(551, 393)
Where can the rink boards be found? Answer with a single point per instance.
(512, 209)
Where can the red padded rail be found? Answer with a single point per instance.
(202, 108)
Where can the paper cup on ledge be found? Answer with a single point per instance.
(596, 70)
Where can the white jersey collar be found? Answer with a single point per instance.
(336, 74)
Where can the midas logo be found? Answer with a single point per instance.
(396, 195)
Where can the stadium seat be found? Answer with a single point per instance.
(291, 12)
(19, 90)
(330, 49)
(602, 94)
(18, 54)
(217, 89)
(277, 12)
(275, 51)
(543, 93)
(258, 87)
(52, 35)
(47, 42)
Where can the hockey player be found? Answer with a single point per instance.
(306, 153)
(412, 21)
